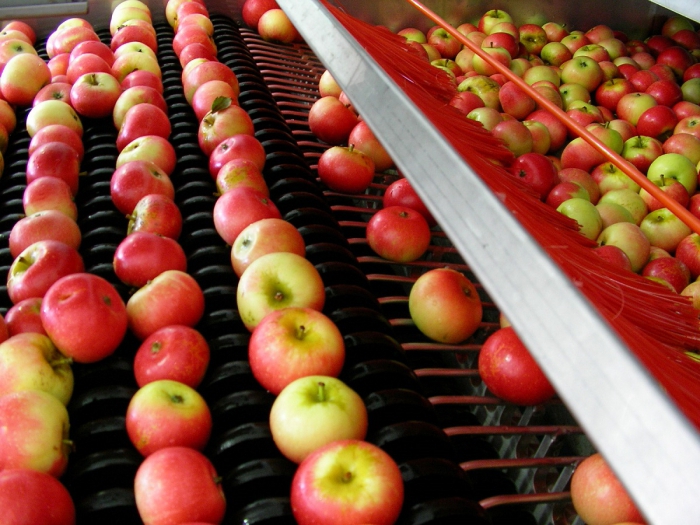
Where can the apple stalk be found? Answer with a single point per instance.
(682, 213)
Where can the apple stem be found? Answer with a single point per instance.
(61, 361)
(351, 147)
(321, 391)
(347, 477)
(155, 347)
(279, 296)
(300, 332)
(177, 399)
(69, 443)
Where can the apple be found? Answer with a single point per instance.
(199, 19)
(173, 297)
(22, 27)
(331, 121)
(583, 178)
(515, 136)
(557, 130)
(672, 188)
(580, 154)
(491, 18)
(536, 171)
(132, 31)
(688, 251)
(685, 109)
(677, 58)
(346, 170)
(690, 90)
(30, 361)
(240, 147)
(166, 413)
(692, 292)
(178, 485)
(171, 8)
(507, 41)
(292, 343)
(585, 214)
(25, 316)
(582, 70)
(197, 50)
(65, 39)
(142, 120)
(238, 208)
(84, 316)
(445, 306)
(611, 213)
(207, 94)
(86, 63)
(398, 234)
(35, 432)
(42, 226)
(671, 270)
(658, 122)
(142, 78)
(624, 128)
(135, 47)
(628, 199)
(253, 9)
(94, 95)
(28, 496)
(58, 66)
(8, 119)
(274, 26)
(153, 148)
(262, 237)
(642, 150)
(509, 371)
(54, 91)
(446, 44)
(594, 51)
(93, 47)
(240, 172)
(221, 123)
(515, 101)
(630, 239)
(193, 34)
(49, 193)
(363, 139)
(205, 72)
(609, 93)
(613, 255)
(598, 496)
(496, 54)
(22, 78)
(51, 112)
(315, 410)
(689, 125)
(176, 352)
(401, 193)
(609, 177)
(55, 159)
(156, 213)
(484, 87)
(133, 96)
(631, 106)
(541, 72)
(123, 14)
(563, 191)
(674, 166)
(599, 32)
(487, 117)
(142, 256)
(10, 47)
(664, 229)
(275, 281)
(136, 179)
(128, 62)
(555, 31)
(642, 79)
(39, 266)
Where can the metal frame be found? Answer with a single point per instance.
(648, 442)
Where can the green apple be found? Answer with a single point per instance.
(674, 166)
(611, 213)
(484, 87)
(630, 239)
(275, 281)
(313, 411)
(585, 213)
(630, 200)
(664, 229)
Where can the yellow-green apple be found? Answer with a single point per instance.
(515, 136)
(51, 112)
(614, 46)
(166, 413)
(613, 255)
(675, 23)
(222, 123)
(345, 169)
(177, 352)
(128, 62)
(585, 214)
(414, 34)
(557, 130)
(94, 95)
(124, 14)
(487, 117)
(555, 31)
(173, 297)
(328, 86)
(142, 120)
(49, 193)
(30, 361)
(22, 78)
(672, 188)
(689, 125)
(10, 47)
(491, 18)
(240, 172)
(142, 256)
(688, 251)
(670, 269)
(631, 106)
(84, 316)
(519, 65)
(42, 226)
(692, 292)
(398, 234)
(628, 199)
(207, 94)
(28, 496)
(25, 316)
(611, 212)
(542, 72)
(156, 213)
(610, 70)
(333, 481)
(623, 127)
(509, 371)
(582, 70)
(364, 140)
(690, 90)
(135, 47)
(237, 147)
(153, 148)
(541, 141)
(594, 51)
(573, 93)
(238, 208)
(497, 54)
(292, 343)
(274, 26)
(674, 166)
(132, 96)
(555, 53)
(445, 305)
(484, 87)
(262, 237)
(642, 150)
(35, 432)
(630, 239)
(39, 266)
(315, 410)
(583, 178)
(178, 485)
(664, 229)
(598, 496)
(275, 281)
(134, 180)
(564, 191)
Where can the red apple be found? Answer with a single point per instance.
(25, 316)
(156, 213)
(536, 171)
(134, 180)
(345, 170)
(142, 256)
(133, 96)
(176, 352)
(41, 226)
(401, 193)
(262, 237)
(331, 121)
(221, 123)
(142, 120)
(55, 159)
(206, 95)
(28, 496)
(153, 148)
(239, 147)
(22, 78)
(49, 193)
(254, 9)
(398, 233)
